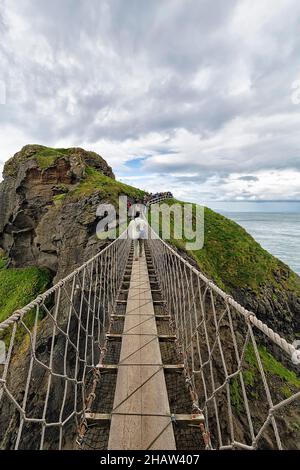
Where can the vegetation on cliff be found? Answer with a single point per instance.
(233, 259)
(284, 380)
(107, 188)
(230, 256)
(51, 223)
(46, 157)
(60, 190)
(241, 267)
(19, 286)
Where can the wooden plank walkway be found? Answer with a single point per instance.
(141, 413)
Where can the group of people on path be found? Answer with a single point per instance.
(151, 196)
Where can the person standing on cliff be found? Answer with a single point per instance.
(137, 231)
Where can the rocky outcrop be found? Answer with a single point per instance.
(279, 310)
(34, 229)
(50, 160)
(42, 224)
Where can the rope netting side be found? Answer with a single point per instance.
(238, 370)
(52, 345)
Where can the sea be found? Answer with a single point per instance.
(279, 233)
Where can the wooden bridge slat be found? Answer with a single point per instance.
(141, 388)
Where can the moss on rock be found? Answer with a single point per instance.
(278, 376)
(46, 157)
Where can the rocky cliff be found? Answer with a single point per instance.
(242, 268)
(48, 202)
(265, 285)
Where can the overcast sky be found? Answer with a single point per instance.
(189, 95)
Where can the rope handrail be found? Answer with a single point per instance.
(17, 314)
(250, 316)
(226, 351)
(57, 343)
(55, 346)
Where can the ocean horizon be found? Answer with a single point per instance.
(277, 232)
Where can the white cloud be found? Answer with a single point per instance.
(203, 93)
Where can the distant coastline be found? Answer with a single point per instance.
(277, 232)
(254, 206)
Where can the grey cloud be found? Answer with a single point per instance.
(124, 70)
(248, 178)
(124, 28)
(199, 178)
(191, 179)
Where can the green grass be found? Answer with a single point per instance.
(59, 198)
(44, 156)
(48, 156)
(62, 188)
(105, 186)
(295, 426)
(233, 259)
(289, 379)
(286, 380)
(2, 262)
(19, 286)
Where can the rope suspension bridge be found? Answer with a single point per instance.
(140, 354)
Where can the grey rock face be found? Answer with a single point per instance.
(34, 230)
